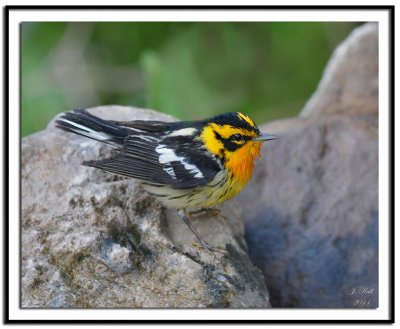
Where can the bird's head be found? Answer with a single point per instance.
(236, 140)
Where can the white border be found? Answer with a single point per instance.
(221, 15)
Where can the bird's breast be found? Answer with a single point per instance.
(241, 163)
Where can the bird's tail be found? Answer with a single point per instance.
(81, 122)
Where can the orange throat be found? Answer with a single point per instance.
(241, 163)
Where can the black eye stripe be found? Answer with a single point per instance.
(232, 143)
(230, 146)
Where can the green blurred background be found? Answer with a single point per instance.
(191, 70)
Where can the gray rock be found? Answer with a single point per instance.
(312, 212)
(91, 239)
(350, 82)
(312, 206)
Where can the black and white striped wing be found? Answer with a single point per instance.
(160, 162)
(184, 169)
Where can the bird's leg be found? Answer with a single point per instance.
(205, 245)
(204, 211)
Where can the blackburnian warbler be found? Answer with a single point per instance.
(188, 164)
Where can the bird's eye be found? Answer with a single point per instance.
(237, 137)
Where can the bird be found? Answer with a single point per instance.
(184, 164)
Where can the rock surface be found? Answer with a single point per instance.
(91, 239)
(312, 206)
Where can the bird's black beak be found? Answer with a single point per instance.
(264, 137)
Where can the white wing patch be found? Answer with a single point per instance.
(170, 171)
(182, 132)
(167, 156)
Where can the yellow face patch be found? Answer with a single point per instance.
(226, 131)
(210, 133)
(239, 160)
(208, 136)
(214, 144)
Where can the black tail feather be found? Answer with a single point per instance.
(81, 122)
